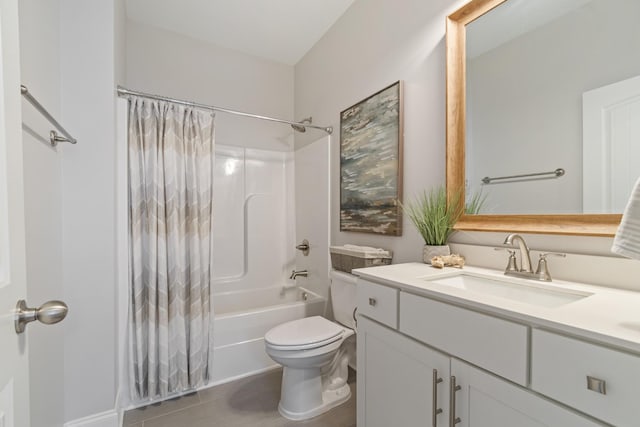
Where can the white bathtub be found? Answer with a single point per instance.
(241, 320)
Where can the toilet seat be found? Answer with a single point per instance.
(304, 334)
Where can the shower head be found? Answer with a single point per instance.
(301, 128)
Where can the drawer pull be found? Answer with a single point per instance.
(597, 385)
(453, 388)
(436, 410)
(372, 302)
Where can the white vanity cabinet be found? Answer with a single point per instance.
(400, 381)
(485, 400)
(441, 365)
(594, 379)
(494, 344)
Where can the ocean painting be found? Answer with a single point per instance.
(371, 164)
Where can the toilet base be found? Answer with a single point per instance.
(330, 399)
(309, 392)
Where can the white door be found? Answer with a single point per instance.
(611, 145)
(14, 377)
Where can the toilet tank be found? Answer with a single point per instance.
(343, 297)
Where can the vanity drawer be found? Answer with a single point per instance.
(494, 344)
(561, 368)
(378, 302)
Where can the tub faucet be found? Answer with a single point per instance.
(296, 273)
(525, 258)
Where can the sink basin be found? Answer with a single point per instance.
(540, 295)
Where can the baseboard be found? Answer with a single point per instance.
(103, 419)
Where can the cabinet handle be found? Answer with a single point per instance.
(453, 420)
(597, 385)
(372, 302)
(436, 410)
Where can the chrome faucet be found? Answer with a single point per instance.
(525, 258)
(296, 273)
(542, 272)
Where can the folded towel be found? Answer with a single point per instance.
(627, 240)
(363, 248)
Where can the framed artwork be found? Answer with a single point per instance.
(371, 134)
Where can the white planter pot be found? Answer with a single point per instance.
(429, 252)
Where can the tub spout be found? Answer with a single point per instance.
(296, 273)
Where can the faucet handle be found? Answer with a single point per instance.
(512, 265)
(304, 247)
(543, 269)
(546, 254)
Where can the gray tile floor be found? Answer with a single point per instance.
(251, 401)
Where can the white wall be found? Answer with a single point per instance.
(68, 61)
(165, 63)
(525, 100)
(88, 59)
(312, 213)
(374, 44)
(122, 267)
(120, 39)
(40, 72)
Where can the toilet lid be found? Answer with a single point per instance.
(308, 332)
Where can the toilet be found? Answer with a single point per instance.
(315, 354)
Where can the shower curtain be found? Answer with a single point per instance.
(171, 156)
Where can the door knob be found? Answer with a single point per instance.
(48, 313)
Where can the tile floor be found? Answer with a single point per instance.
(251, 401)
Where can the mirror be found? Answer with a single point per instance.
(521, 75)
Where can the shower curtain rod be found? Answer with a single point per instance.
(123, 91)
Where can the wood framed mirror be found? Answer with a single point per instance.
(571, 223)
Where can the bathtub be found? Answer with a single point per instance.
(241, 320)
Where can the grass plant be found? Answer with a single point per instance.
(435, 218)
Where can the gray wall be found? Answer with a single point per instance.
(40, 72)
(69, 60)
(375, 43)
(88, 61)
(169, 64)
(525, 98)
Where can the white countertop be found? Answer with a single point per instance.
(609, 316)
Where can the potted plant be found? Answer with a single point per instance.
(435, 218)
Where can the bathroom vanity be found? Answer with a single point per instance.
(474, 348)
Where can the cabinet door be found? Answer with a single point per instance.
(488, 401)
(396, 379)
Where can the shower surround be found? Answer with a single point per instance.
(253, 252)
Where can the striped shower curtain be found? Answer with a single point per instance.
(171, 155)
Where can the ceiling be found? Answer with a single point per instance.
(279, 30)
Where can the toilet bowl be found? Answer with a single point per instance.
(314, 356)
